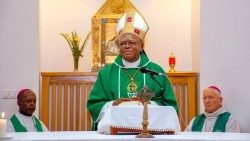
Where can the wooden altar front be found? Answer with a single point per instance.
(63, 97)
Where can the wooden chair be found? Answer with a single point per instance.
(63, 100)
(185, 88)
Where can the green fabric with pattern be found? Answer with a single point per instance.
(220, 124)
(20, 128)
(113, 80)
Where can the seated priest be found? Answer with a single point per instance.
(24, 120)
(215, 118)
(120, 81)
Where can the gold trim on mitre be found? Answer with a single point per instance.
(132, 22)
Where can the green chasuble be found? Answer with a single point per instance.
(219, 126)
(20, 128)
(113, 82)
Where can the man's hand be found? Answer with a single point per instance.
(136, 98)
(119, 101)
(139, 99)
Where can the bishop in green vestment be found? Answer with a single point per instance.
(215, 118)
(122, 79)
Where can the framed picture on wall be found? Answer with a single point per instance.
(103, 32)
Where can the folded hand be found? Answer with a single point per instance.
(119, 101)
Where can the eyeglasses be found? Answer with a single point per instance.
(129, 43)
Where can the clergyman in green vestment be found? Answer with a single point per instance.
(24, 120)
(215, 118)
(122, 79)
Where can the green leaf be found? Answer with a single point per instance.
(67, 39)
(84, 43)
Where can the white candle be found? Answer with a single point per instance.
(2, 126)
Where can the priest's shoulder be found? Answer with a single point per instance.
(105, 69)
(155, 66)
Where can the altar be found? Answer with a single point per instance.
(94, 136)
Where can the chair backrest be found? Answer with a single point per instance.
(63, 101)
(185, 88)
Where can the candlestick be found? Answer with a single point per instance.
(2, 126)
(171, 62)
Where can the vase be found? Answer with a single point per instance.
(76, 63)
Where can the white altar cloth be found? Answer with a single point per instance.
(160, 118)
(94, 136)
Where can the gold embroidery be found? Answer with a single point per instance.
(132, 87)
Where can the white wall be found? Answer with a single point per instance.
(169, 22)
(225, 50)
(19, 49)
(195, 35)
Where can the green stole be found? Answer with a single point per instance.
(219, 126)
(20, 128)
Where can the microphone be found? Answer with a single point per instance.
(151, 72)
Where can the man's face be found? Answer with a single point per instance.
(212, 101)
(27, 103)
(130, 46)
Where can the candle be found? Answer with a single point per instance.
(172, 59)
(2, 126)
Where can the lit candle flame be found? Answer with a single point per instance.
(3, 114)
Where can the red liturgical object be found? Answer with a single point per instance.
(171, 62)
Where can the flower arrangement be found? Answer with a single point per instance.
(74, 44)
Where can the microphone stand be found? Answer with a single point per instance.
(152, 76)
(152, 73)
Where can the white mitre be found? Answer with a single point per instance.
(132, 22)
